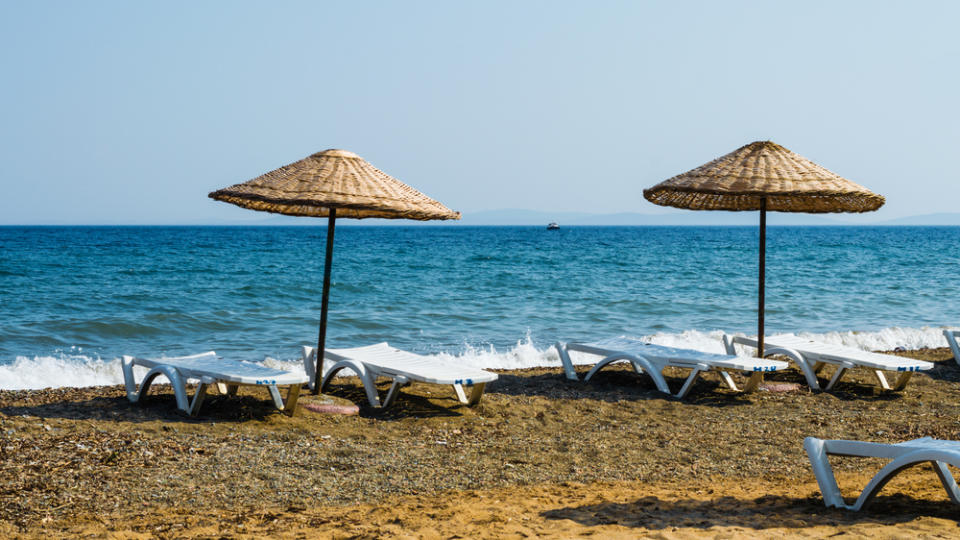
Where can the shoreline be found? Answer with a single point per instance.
(552, 452)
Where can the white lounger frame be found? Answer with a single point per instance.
(697, 362)
(904, 455)
(811, 357)
(401, 367)
(228, 375)
(951, 336)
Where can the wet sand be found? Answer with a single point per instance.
(539, 456)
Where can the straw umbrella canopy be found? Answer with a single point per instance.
(763, 176)
(333, 183)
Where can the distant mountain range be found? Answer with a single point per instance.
(538, 217)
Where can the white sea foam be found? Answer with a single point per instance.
(75, 370)
(78, 370)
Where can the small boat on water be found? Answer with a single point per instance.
(552, 226)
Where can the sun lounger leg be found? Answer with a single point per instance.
(461, 395)
(729, 380)
(290, 406)
(199, 395)
(567, 364)
(688, 384)
(881, 379)
(227, 389)
(638, 363)
(817, 452)
(902, 381)
(637, 368)
(126, 363)
(275, 396)
(899, 464)
(398, 382)
(176, 382)
(808, 371)
(946, 478)
(368, 380)
(753, 382)
(476, 394)
(836, 377)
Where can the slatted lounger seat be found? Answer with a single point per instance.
(207, 369)
(812, 356)
(652, 359)
(937, 452)
(402, 367)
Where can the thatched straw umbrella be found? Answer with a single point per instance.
(763, 176)
(332, 184)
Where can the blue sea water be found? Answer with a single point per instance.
(73, 299)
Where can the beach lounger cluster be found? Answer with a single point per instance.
(653, 359)
(403, 367)
(809, 356)
(812, 356)
(207, 369)
(400, 367)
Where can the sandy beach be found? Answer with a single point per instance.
(538, 457)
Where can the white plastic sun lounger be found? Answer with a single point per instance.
(904, 455)
(402, 367)
(812, 356)
(951, 336)
(652, 359)
(207, 369)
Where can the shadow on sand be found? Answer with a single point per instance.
(111, 404)
(761, 513)
(619, 383)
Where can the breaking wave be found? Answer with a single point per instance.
(76, 369)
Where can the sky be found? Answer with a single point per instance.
(131, 112)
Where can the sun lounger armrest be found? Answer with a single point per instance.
(729, 342)
(309, 356)
(817, 452)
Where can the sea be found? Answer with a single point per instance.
(74, 299)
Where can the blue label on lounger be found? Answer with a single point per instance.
(468, 382)
(266, 381)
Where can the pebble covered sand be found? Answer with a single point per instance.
(539, 456)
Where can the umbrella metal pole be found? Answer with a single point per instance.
(321, 340)
(763, 264)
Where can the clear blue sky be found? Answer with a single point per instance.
(130, 112)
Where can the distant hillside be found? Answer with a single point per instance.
(569, 219)
(927, 219)
(535, 217)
